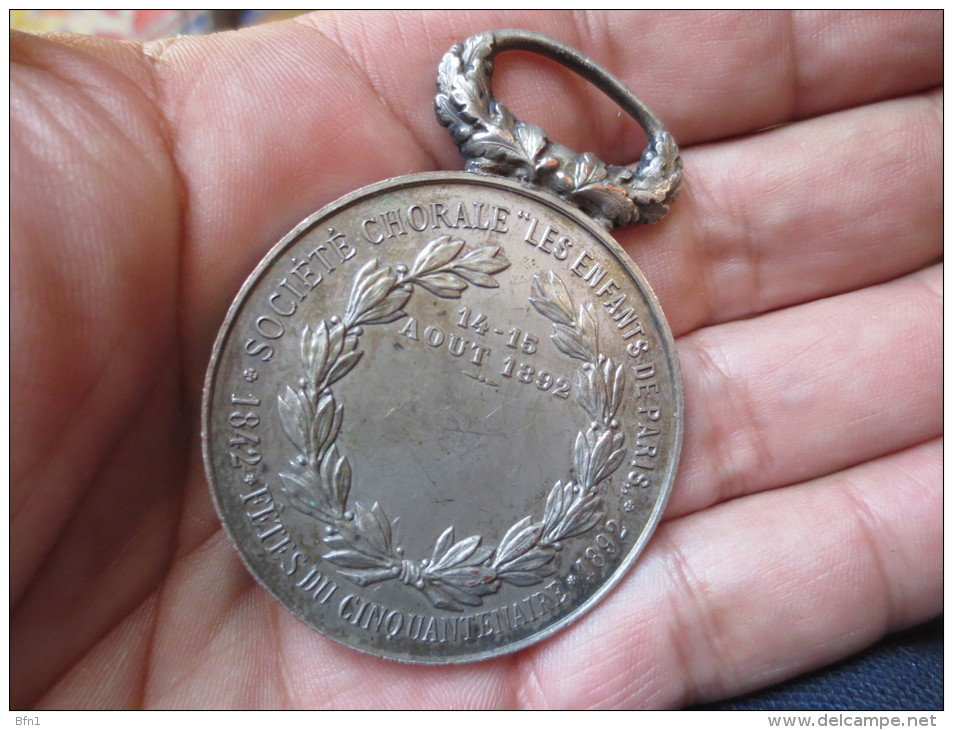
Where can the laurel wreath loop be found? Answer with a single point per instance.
(494, 142)
(363, 541)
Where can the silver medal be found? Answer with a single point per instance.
(443, 415)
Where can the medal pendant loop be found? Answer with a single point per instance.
(494, 142)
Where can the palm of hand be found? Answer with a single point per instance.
(147, 186)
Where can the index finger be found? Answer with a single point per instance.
(707, 75)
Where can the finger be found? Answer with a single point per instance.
(806, 391)
(276, 661)
(757, 590)
(110, 554)
(111, 675)
(801, 212)
(96, 218)
(724, 601)
(707, 75)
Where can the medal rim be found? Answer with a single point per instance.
(394, 184)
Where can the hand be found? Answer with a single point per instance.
(799, 269)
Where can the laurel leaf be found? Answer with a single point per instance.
(443, 543)
(459, 595)
(450, 68)
(371, 527)
(496, 143)
(581, 457)
(458, 553)
(599, 445)
(599, 386)
(341, 483)
(384, 523)
(476, 278)
(531, 138)
(337, 336)
(335, 478)
(351, 338)
(335, 427)
(342, 367)
(436, 254)
(372, 284)
(485, 260)
(524, 578)
(358, 544)
(472, 574)
(581, 517)
(389, 309)
(587, 169)
(303, 499)
(554, 291)
(571, 343)
(585, 394)
(443, 284)
(617, 389)
(294, 413)
(531, 560)
(554, 507)
(588, 329)
(518, 539)
(295, 486)
(612, 463)
(323, 421)
(548, 310)
(314, 350)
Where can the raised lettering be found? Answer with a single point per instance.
(274, 329)
(367, 234)
(580, 261)
(339, 241)
(499, 219)
(461, 221)
(644, 372)
(410, 330)
(273, 303)
(393, 223)
(440, 216)
(561, 251)
(433, 336)
(318, 252)
(259, 349)
(417, 217)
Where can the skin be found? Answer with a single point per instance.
(799, 269)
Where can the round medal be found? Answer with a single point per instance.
(443, 415)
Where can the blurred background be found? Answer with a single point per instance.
(141, 25)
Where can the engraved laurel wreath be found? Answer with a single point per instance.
(493, 141)
(458, 573)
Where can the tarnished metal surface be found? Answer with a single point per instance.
(443, 415)
(442, 418)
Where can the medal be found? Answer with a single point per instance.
(443, 415)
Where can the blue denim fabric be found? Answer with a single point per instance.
(904, 671)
